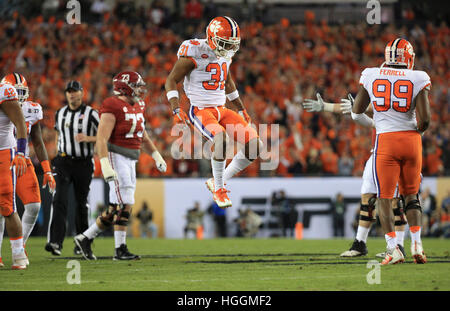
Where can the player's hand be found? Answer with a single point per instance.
(109, 174)
(50, 181)
(180, 116)
(311, 105)
(346, 106)
(81, 138)
(160, 163)
(20, 163)
(244, 114)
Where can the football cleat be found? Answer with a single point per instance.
(19, 261)
(1, 263)
(76, 250)
(383, 254)
(84, 245)
(53, 248)
(358, 248)
(122, 253)
(417, 253)
(210, 185)
(221, 198)
(393, 256)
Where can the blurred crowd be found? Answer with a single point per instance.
(276, 68)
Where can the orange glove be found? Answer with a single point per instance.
(244, 114)
(180, 116)
(48, 177)
(20, 163)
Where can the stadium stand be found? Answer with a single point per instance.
(278, 65)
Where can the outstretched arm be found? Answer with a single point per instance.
(311, 105)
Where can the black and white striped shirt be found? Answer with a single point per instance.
(69, 123)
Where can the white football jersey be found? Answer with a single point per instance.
(205, 85)
(7, 140)
(32, 113)
(392, 93)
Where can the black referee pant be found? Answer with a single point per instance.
(68, 170)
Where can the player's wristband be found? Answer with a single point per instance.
(21, 145)
(233, 95)
(46, 166)
(172, 94)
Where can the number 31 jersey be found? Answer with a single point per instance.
(130, 122)
(392, 93)
(205, 85)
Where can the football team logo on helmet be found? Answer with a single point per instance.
(223, 36)
(399, 52)
(19, 83)
(129, 83)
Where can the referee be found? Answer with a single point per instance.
(76, 125)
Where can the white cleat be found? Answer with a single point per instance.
(417, 253)
(393, 256)
(210, 185)
(20, 261)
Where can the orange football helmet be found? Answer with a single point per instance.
(224, 36)
(399, 52)
(19, 83)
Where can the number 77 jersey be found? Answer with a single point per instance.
(205, 84)
(392, 92)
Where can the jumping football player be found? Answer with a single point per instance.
(120, 137)
(204, 64)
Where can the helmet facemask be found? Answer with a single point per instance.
(22, 93)
(225, 48)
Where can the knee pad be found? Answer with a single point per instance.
(369, 208)
(413, 204)
(399, 214)
(107, 216)
(122, 217)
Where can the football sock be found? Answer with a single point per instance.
(239, 163)
(2, 230)
(362, 233)
(415, 234)
(400, 237)
(29, 218)
(218, 168)
(17, 245)
(92, 231)
(391, 240)
(119, 238)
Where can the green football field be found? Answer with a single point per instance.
(227, 265)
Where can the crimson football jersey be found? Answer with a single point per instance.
(130, 122)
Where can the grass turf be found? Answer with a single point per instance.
(227, 265)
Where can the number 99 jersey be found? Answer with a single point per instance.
(205, 85)
(130, 122)
(392, 92)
